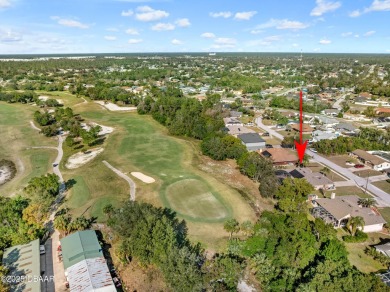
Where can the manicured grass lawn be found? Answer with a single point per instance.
(341, 160)
(385, 212)
(367, 173)
(16, 136)
(141, 144)
(79, 194)
(68, 99)
(357, 256)
(193, 199)
(352, 190)
(383, 185)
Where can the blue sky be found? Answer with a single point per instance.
(98, 26)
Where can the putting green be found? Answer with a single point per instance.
(192, 199)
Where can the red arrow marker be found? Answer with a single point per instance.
(301, 148)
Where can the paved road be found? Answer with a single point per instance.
(125, 177)
(382, 197)
(338, 102)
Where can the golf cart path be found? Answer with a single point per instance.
(125, 177)
(34, 127)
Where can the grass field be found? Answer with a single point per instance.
(16, 136)
(141, 144)
(385, 212)
(383, 185)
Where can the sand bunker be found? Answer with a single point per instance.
(43, 97)
(81, 158)
(105, 130)
(115, 108)
(144, 178)
(7, 171)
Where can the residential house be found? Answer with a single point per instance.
(331, 112)
(345, 127)
(252, 141)
(23, 261)
(383, 248)
(84, 263)
(280, 156)
(306, 129)
(377, 163)
(382, 111)
(319, 135)
(235, 114)
(327, 122)
(316, 179)
(338, 210)
(237, 130)
(232, 122)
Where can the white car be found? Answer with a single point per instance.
(313, 150)
(42, 249)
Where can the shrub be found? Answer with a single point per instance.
(360, 236)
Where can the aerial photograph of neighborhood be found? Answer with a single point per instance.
(166, 145)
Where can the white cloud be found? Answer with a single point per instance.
(325, 42)
(5, 3)
(132, 31)
(127, 13)
(70, 22)
(9, 37)
(379, 5)
(356, 36)
(134, 41)
(283, 24)
(114, 29)
(245, 15)
(176, 42)
(370, 33)
(376, 5)
(224, 14)
(355, 13)
(146, 13)
(110, 38)
(208, 35)
(183, 22)
(323, 7)
(267, 41)
(220, 43)
(295, 45)
(346, 34)
(163, 26)
(256, 31)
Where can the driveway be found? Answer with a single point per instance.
(47, 268)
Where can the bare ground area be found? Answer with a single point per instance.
(79, 159)
(142, 177)
(7, 171)
(227, 172)
(114, 108)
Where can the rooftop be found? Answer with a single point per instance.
(250, 138)
(347, 206)
(236, 130)
(375, 160)
(90, 275)
(80, 246)
(280, 155)
(314, 178)
(24, 260)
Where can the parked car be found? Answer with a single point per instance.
(55, 164)
(266, 134)
(117, 282)
(42, 249)
(359, 165)
(313, 150)
(268, 146)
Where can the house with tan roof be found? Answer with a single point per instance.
(377, 163)
(338, 210)
(316, 179)
(280, 156)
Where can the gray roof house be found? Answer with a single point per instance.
(338, 210)
(252, 141)
(316, 179)
(383, 248)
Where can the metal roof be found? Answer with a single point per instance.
(80, 246)
(90, 275)
(24, 260)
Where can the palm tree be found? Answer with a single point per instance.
(231, 226)
(62, 223)
(354, 223)
(325, 171)
(367, 202)
(247, 228)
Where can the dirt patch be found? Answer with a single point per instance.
(136, 278)
(144, 178)
(43, 97)
(228, 172)
(104, 131)
(113, 107)
(7, 171)
(79, 159)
